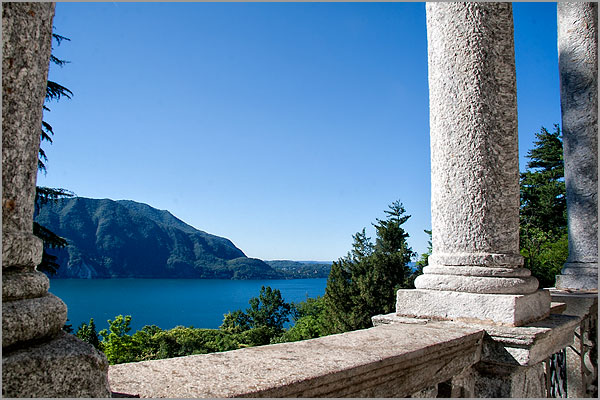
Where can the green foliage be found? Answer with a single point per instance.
(116, 344)
(364, 283)
(543, 202)
(87, 333)
(235, 322)
(310, 321)
(423, 261)
(543, 220)
(182, 341)
(268, 309)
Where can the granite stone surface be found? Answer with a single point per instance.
(578, 66)
(500, 309)
(26, 47)
(384, 361)
(29, 319)
(62, 367)
(474, 151)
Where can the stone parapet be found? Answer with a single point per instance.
(384, 361)
(512, 358)
(582, 355)
(504, 345)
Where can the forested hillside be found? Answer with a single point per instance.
(126, 239)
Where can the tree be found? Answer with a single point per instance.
(268, 309)
(116, 344)
(235, 322)
(423, 261)
(543, 213)
(309, 321)
(87, 333)
(364, 283)
(43, 195)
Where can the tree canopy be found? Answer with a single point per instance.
(543, 213)
(364, 283)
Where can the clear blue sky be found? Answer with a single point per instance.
(285, 127)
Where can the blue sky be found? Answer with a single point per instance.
(285, 127)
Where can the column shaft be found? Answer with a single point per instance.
(475, 272)
(578, 66)
(474, 151)
(38, 359)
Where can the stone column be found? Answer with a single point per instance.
(475, 271)
(38, 359)
(578, 65)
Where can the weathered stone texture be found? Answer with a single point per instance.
(385, 361)
(508, 310)
(63, 367)
(473, 122)
(578, 65)
(26, 47)
(474, 152)
(24, 285)
(499, 382)
(29, 319)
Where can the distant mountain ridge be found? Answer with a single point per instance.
(127, 239)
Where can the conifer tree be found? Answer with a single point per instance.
(364, 283)
(43, 195)
(543, 219)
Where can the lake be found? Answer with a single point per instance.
(167, 303)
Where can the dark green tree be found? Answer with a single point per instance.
(268, 309)
(423, 260)
(87, 333)
(235, 322)
(543, 218)
(364, 283)
(43, 195)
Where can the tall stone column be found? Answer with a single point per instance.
(475, 271)
(578, 66)
(38, 359)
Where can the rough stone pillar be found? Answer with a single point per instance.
(578, 65)
(475, 271)
(38, 359)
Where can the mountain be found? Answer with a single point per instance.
(126, 239)
(301, 269)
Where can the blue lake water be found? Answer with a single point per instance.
(167, 303)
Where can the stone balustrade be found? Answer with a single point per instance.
(384, 361)
(476, 326)
(399, 357)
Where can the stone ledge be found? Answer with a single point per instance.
(384, 361)
(519, 346)
(578, 303)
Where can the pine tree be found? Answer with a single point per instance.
(543, 219)
(43, 195)
(364, 283)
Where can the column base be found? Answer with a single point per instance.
(62, 367)
(496, 309)
(578, 276)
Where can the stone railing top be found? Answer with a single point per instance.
(521, 345)
(406, 357)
